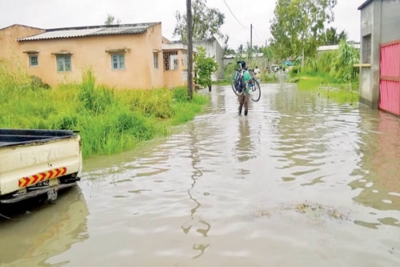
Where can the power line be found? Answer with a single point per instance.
(234, 15)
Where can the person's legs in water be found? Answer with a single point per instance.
(246, 103)
(241, 102)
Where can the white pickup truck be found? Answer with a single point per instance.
(38, 162)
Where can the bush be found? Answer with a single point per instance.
(37, 83)
(295, 70)
(294, 80)
(109, 121)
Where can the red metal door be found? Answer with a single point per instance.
(390, 78)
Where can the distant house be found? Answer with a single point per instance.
(215, 51)
(175, 62)
(326, 48)
(380, 55)
(258, 58)
(121, 56)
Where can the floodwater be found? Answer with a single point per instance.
(301, 181)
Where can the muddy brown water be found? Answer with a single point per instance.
(301, 181)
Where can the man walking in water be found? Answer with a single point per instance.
(244, 98)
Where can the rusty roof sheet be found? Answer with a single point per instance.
(62, 33)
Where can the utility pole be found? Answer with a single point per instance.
(251, 36)
(190, 47)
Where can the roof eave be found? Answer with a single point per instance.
(21, 25)
(366, 3)
(147, 24)
(71, 37)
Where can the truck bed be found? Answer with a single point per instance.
(34, 162)
(12, 137)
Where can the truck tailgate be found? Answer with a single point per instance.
(27, 160)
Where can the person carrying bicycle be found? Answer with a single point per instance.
(244, 98)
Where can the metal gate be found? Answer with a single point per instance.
(390, 78)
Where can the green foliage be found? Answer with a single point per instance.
(180, 95)
(325, 61)
(267, 53)
(110, 20)
(333, 66)
(205, 66)
(228, 70)
(268, 77)
(343, 65)
(206, 22)
(298, 24)
(295, 70)
(109, 121)
(92, 99)
(310, 83)
(331, 37)
(37, 83)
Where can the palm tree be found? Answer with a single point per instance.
(331, 36)
(228, 51)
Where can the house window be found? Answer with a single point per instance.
(33, 60)
(64, 63)
(118, 61)
(155, 60)
(170, 60)
(366, 49)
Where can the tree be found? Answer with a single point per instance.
(110, 20)
(205, 66)
(343, 35)
(342, 67)
(298, 25)
(228, 50)
(206, 22)
(331, 37)
(240, 49)
(249, 51)
(267, 53)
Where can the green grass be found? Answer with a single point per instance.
(109, 121)
(323, 84)
(222, 82)
(341, 95)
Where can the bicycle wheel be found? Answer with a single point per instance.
(255, 91)
(234, 77)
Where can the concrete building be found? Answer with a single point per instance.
(175, 62)
(380, 55)
(215, 51)
(121, 56)
(256, 59)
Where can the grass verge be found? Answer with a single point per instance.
(324, 85)
(109, 121)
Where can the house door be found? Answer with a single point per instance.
(390, 78)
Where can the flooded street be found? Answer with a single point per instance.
(301, 181)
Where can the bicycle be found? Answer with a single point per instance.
(238, 84)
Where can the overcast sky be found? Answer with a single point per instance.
(259, 13)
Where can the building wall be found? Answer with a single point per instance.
(370, 76)
(214, 50)
(154, 45)
(9, 48)
(390, 21)
(177, 77)
(139, 72)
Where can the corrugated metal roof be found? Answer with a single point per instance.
(62, 33)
